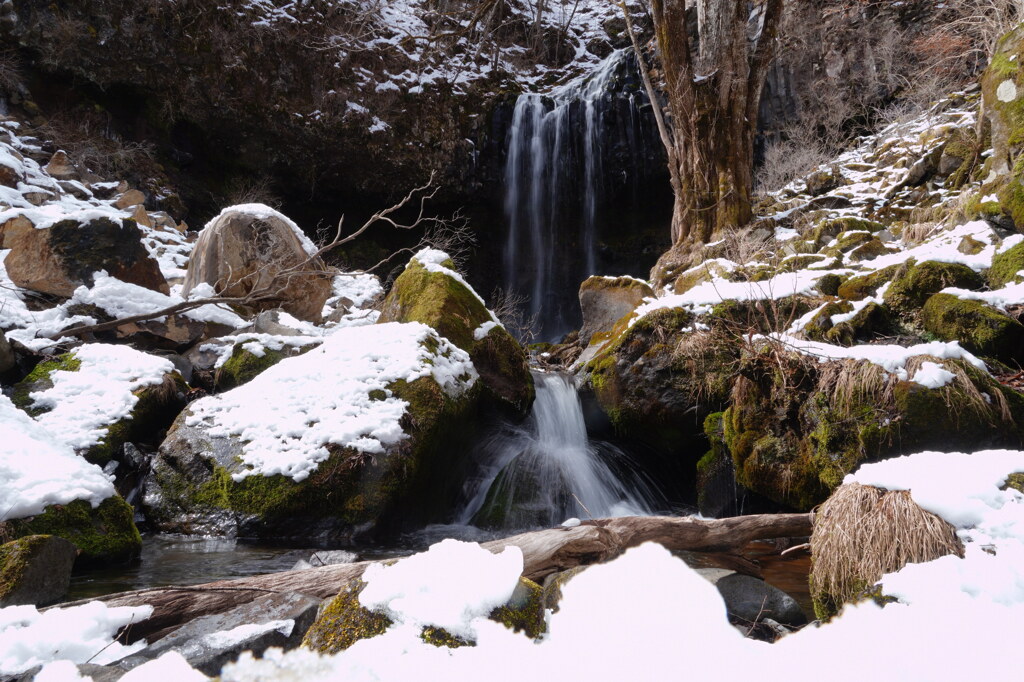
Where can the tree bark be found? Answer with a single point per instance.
(544, 552)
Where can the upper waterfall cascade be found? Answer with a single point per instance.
(566, 152)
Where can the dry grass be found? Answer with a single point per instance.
(861, 533)
(917, 233)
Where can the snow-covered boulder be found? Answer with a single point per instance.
(357, 431)
(431, 291)
(57, 258)
(49, 490)
(97, 397)
(251, 247)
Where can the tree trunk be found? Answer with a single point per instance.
(544, 552)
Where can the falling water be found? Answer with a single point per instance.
(547, 470)
(556, 180)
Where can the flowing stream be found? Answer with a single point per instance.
(548, 470)
(560, 149)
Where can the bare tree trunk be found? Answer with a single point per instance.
(544, 552)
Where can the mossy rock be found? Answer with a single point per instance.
(445, 304)
(794, 263)
(914, 283)
(871, 321)
(191, 487)
(718, 493)
(819, 325)
(827, 230)
(554, 583)
(847, 242)
(104, 535)
(829, 284)
(960, 156)
(979, 328)
(243, 366)
(35, 570)
(1006, 266)
(869, 250)
(155, 410)
(860, 287)
(343, 621)
(1002, 87)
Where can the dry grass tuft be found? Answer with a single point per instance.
(861, 533)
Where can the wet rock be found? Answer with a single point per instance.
(208, 643)
(255, 248)
(35, 570)
(750, 600)
(605, 300)
(58, 259)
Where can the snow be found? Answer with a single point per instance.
(37, 470)
(450, 586)
(890, 357)
(484, 329)
(81, 404)
(83, 633)
(264, 212)
(932, 375)
(288, 414)
(237, 635)
(433, 261)
(170, 666)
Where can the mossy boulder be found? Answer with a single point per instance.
(1002, 87)
(861, 286)
(960, 156)
(343, 621)
(796, 427)
(914, 283)
(718, 495)
(244, 364)
(979, 328)
(1006, 267)
(430, 291)
(830, 229)
(199, 482)
(605, 300)
(156, 406)
(35, 570)
(103, 535)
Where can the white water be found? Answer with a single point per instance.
(553, 175)
(548, 470)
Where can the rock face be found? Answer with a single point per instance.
(431, 292)
(328, 462)
(255, 248)
(35, 570)
(1003, 93)
(605, 300)
(58, 259)
(209, 642)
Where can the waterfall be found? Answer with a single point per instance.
(547, 470)
(560, 149)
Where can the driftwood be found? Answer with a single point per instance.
(544, 552)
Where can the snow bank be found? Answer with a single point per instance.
(37, 470)
(288, 414)
(78, 634)
(84, 402)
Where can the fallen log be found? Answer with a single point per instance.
(544, 552)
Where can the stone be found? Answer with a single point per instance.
(58, 259)
(822, 181)
(16, 224)
(35, 570)
(9, 175)
(61, 168)
(75, 189)
(140, 216)
(129, 199)
(209, 642)
(979, 328)
(8, 360)
(913, 283)
(605, 300)
(750, 600)
(242, 251)
(441, 301)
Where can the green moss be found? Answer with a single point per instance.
(39, 380)
(105, 534)
(870, 321)
(979, 328)
(155, 410)
(243, 366)
(344, 621)
(819, 325)
(913, 284)
(794, 263)
(827, 230)
(1005, 267)
(862, 286)
(829, 284)
(1015, 481)
(14, 558)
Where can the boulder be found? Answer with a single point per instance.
(1006, 267)
(912, 284)
(254, 248)
(248, 361)
(430, 291)
(343, 621)
(60, 167)
(58, 259)
(824, 180)
(870, 321)
(750, 600)
(605, 300)
(979, 328)
(862, 286)
(130, 199)
(8, 360)
(365, 431)
(104, 534)
(135, 406)
(209, 642)
(35, 570)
